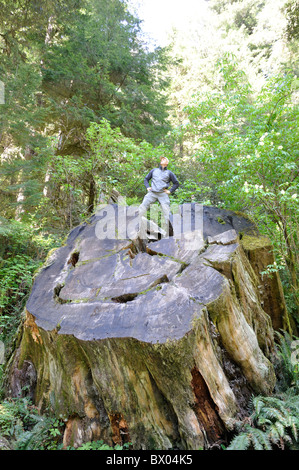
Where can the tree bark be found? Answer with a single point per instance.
(161, 348)
(91, 195)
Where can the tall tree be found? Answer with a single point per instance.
(247, 148)
(66, 64)
(101, 69)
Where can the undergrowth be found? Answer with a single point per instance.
(25, 429)
(22, 251)
(273, 423)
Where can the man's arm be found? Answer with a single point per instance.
(175, 183)
(147, 178)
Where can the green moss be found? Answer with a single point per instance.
(251, 242)
(92, 260)
(50, 253)
(80, 301)
(248, 217)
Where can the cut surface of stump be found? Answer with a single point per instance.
(162, 346)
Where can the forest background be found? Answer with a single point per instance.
(90, 105)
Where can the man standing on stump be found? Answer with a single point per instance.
(158, 191)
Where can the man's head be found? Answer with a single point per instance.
(164, 161)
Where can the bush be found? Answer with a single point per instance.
(274, 421)
(22, 251)
(21, 424)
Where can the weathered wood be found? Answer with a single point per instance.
(161, 348)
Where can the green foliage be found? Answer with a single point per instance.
(120, 161)
(10, 420)
(250, 439)
(274, 421)
(44, 435)
(292, 16)
(100, 445)
(289, 358)
(22, 251)
(86, 111)
(76, 183)
(16, 273)
(248, 151)
(26, 429)
(65, 65)
(103, 69)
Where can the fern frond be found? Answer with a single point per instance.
(285, 352)
(258, 405)
(259, 439)
(294, 427)
(35, 438)
(240, 442)
(274, 421)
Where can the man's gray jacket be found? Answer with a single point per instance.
(161, 179)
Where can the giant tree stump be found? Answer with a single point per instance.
(162, 347)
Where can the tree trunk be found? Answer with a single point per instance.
(162, 348)
(91, 195)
